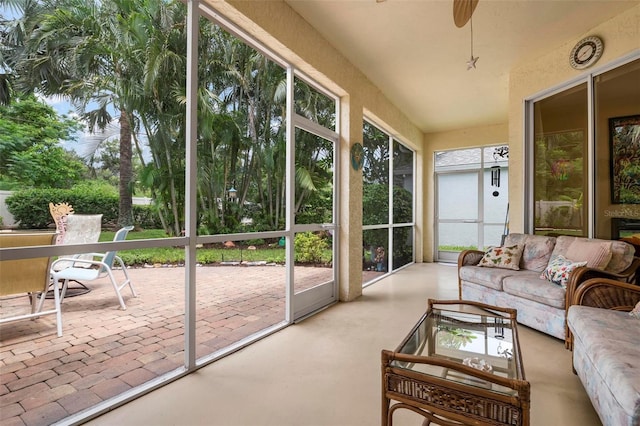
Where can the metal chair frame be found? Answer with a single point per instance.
(101, 265)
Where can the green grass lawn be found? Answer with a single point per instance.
(205, 255)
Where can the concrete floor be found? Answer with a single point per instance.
(326, 369)
(106, 352)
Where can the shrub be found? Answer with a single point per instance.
(146, 217)
(31, 207)
(255, 242)
(309, 247)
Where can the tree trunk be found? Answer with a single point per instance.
(125, 215)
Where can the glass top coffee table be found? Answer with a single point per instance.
(459, 365)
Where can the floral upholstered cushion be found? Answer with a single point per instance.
(537, 250)
(621, 257)
(506, 257)
(596, 253)
(636, 311)
(559, 269)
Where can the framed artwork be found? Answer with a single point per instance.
(624, 140)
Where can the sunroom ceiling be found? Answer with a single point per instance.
(414, 53)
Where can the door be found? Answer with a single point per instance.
(314, 229)
(471, 200)
(457, 214)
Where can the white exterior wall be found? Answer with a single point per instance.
(7, 218)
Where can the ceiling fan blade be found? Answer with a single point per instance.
(462, 11)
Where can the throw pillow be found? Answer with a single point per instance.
(596, 253)
(559, 269)
(506, 257)
(636, 311)
(537, 252)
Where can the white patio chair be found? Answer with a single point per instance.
(101, 265)
(29, 276)
(75, 229)
(80, 229)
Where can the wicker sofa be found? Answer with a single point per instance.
(606, 349)
(540, 303)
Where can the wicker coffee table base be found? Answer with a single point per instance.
(438, 403)
(429, 417)
(441, 386)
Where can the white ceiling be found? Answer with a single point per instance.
(412, 51)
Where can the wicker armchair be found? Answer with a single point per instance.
(604, 293)
(580, 276)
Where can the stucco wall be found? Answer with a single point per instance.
(621, 36)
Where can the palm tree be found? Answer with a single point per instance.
(241, 141)
(124, 61)
(13, 31)
(89, 52)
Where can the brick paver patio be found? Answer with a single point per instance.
(105, 351)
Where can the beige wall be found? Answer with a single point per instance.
(621, 36)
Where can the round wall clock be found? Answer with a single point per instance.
(586, 52)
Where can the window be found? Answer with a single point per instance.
(576, 169)
(560, 151)
(387, 203)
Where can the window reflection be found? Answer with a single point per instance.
(560, 150)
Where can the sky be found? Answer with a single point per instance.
(58, 103)
(80, 144)
(63, 107)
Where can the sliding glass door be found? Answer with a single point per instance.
(311, 258)
(583, 141)
(471, 200)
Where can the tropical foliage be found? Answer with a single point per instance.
(309, 247)
(454, 338)
(559, 159)
(559, 165)
(123, 64)
(30, 132)
(625, 153)
(382, 153)
(30, 207)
